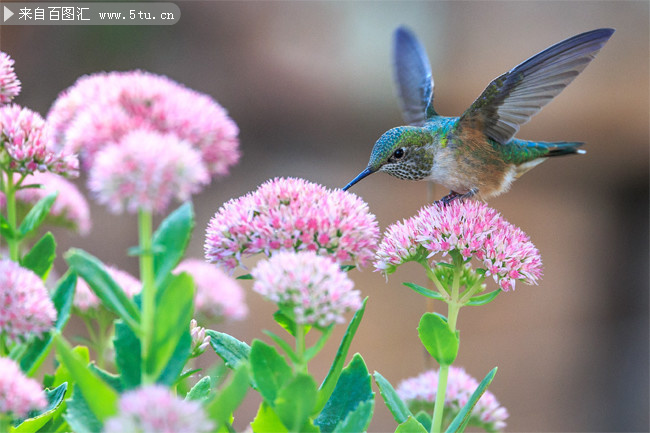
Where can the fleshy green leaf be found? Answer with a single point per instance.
(286, 347)
(352, 388)
(424, 291)
(244, 277)
(287, 322)
(346, 268)
(295, 401)
(267, 420)
(231, 350)
(170, 241)
(36, 215)
(230, 396)
(5, 229)
(100, 397)
(200, 390)
(174, 310)
(483, 299)
(113, 380)
(171, 374)
(357, 420)
(424, 419)
(460, 421)
(127, 355)
(38, 419)
(411, 425)
(269, 370)
(439, 340)
(313, 350)
(41, 257)
(39, 348)
(79, 414)
(394, 403)
(327, 387)
(92, 270)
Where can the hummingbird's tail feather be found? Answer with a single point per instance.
(560, 148)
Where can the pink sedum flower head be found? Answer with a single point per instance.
(86, 300)
(200, 341)
(313, 288)
(18, 394)
(218, 295)
(25, 138)
(70, 209)
(25, 306)
(145, 171)
(288, 214)
(419, 393)
(9, 83)
(99, 109)
(154, 409)
(472, 230)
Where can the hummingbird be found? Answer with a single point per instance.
(476, 154)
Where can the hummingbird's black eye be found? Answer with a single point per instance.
(398, 154)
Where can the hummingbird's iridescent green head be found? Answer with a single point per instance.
(404, 152)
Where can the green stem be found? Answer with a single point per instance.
(436, 423)
(300, 349)
(10, 194)
(5, 423)
(145, 224)
(3, 347)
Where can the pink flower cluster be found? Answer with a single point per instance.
(25, 138)
(419, 393)
(313, 287)
(472, 229)
(154, 409)
(145, 170)
(25, 306)
(200, 341)
(85, 299)
(18, 393)
(292, 214)
(218, 295)
(9, 83)
(70, 208)
(101, 108)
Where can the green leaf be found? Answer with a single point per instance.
(424, 419)
(230, 349)
(170, 241)
(200, 390)
(37, 419)
(39, 348)
(267, 420)
(92, 270)
(313, 351)
(174, 310)
(352, 388)
(127, 355)
(287, 322)
(295, 401)
(269, 370)
(424, 291)
(460, 421)
(346, 268)
(411, 425)
(230, 396)
(394, 403)
(79, 414)
(244, 277)
(5, 229)
(41, 257)
(114, 380)
(439, 340)
(100, 397)
(36, 215)
(173, 371)
(286, 347)
(333, 374)
(483, 299)
(357, 420)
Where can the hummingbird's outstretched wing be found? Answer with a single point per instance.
(412, 74)
(513, 98)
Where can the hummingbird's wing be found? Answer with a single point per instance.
(513, 98)
(412, 74)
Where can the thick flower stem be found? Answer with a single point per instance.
(10, 194)
(300, 349)
(148, 290)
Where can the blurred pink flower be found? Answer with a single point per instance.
(145, 170)
(9, 83)
(85, 299)
(25, 139)
(314, 288)
(419, 393)
(472, 229)
(101, 108)
(292, 215)
(154, 409)
(25, 306)
(18, 393)
(70, 209)
(218, 295)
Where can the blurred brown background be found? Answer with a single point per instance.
(309, 84)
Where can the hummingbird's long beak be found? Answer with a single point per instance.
(360, 176)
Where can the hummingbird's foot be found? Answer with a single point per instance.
(453, 195)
